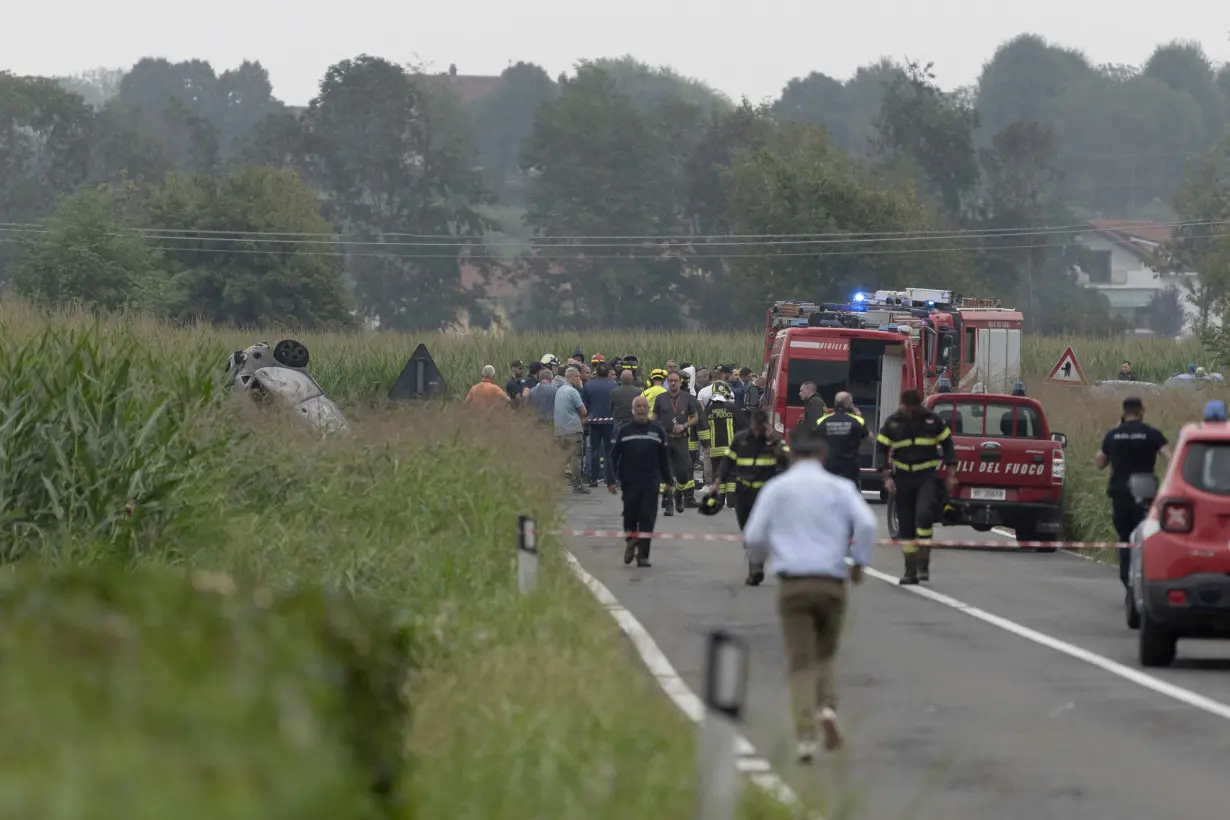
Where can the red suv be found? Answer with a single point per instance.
(1180, 569)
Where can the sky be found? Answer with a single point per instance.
(721, 41)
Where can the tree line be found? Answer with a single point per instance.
(618, 195)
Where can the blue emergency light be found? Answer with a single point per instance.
(1018, 389)
(1215, 410)
(858, 297)
(944, 385)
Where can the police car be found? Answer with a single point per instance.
(1180, 567)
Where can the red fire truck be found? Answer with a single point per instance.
(873, 365)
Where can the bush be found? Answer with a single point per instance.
(151, 694)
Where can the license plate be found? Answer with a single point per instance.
(987, 494)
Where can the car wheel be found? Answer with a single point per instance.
(1028, 533)
(1157, 643)
(1129, 609)
(890, 514)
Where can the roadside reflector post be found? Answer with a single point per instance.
(717, 753)
(527, 555)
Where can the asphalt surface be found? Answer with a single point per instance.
(947, 716)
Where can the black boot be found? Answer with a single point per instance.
(689, 499)
(667, 509)
(679, 500)
(911, 570)
(755, 574)
(642, 554)
(630, 545)
(924, 563)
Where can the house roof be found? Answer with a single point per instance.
(1139, 238)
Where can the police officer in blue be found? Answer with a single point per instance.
(1130, 448)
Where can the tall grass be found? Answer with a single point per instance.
(120, 448)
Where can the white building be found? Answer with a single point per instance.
(1120, 254)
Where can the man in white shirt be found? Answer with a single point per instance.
(807, 542)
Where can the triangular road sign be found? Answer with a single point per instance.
(1067, 370)
(419, 379)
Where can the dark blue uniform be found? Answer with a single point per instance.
(640, 462)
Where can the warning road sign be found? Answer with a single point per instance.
(1067, 370)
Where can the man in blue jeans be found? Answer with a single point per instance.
(597, 398)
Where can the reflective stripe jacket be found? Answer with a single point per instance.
(751, 460)
(844, 432)
(651, 393)
(724, 422)
(915, 441)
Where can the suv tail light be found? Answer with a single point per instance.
(1059, 467)
(1176, 516)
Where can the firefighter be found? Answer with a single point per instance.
(754, 456)
(655, 389)
(723, 422)
(640, 463)
(634, 364)
(676, 410)
(912, 435)
(698, 431)
(843, 431)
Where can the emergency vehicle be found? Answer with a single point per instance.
(1010, 466)
(830, 348)
(968, 340)
(1180, 567)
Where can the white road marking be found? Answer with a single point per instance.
(758, 770)
(1170, 690)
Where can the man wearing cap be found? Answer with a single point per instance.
(1130, 448)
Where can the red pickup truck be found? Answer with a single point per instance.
(1010, 466)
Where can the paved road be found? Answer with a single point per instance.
(947, 716)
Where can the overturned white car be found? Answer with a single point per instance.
(280, 374)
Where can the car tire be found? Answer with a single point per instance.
(1028, 533)
(890, 516)
(1157, 644)
(1130, 611)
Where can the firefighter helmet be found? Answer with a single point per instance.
(597, 358)
(721, 392)
(549, 360)
(710, 504)
(631, 361)
(658, 375)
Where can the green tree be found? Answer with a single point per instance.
(240, 250)
(389, 153)
(1201, 243)
(1021, 266)
(800, 185)
(45, 135)
(504, 119)
(650, 86)
(85, 254)
(1184, 67)
(1022, 81)
(601, 168)
(727, 135)
(934, 132)
(95, 86)
(848, 110)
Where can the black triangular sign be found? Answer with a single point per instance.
(419, 379)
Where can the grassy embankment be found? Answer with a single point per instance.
(144, 694)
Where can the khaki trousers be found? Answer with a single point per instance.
(812, 609)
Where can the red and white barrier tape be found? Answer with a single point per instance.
(882, 542)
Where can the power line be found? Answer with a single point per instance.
(583, 257)
(582, 241)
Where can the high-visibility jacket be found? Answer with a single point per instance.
(652, 392)
(724, 421)
(915, 441)
(749, 462)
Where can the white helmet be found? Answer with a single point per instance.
(548, 360)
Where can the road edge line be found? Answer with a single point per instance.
(749, 762)
(1142, 679)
